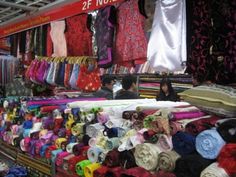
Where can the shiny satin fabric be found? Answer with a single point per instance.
(167, 44)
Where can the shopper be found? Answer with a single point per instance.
(128, 90)
(106, 90)
(167, 92)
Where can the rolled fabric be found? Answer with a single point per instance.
(227, 158)
(89, 170)
(92, 142)
(48, 152)
(81, 166)
(48, 109)
(102, 117)
(93, 154)
(60, 157)
(114, 132)
(209, 143)
(69, 147)
(165, 142)
(183, 143)
(185, 115)
(227, 130)
(65, 164)
(112, 158)
(112, 143)
(197, 126)
(175, 127)
(146, 156)
(167, 160)
(127, 159)
(77, 129)
(54, 155)
(26, 133)
(191, 165)
(94, 129)
(43, 150)
(77, 149)
(59, 141)
(184, 122)
(214, 170)
(114, 172)
(73, 161)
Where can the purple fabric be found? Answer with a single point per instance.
(186, 115)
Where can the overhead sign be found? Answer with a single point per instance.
(72, 9)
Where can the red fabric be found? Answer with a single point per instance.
(136, 172)
(112, 158)
(58, 123)
(89, 81)
(197, 126)
(78, 36)
(49, 42)
(100, 172)
(114, 172)
(48, 109)
(68, 69)
(131, 42)
(73, 161)
(227, 158)
(164, 174)
(49, 150)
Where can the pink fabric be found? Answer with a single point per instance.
(186, 115)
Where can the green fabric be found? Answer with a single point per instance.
(81, 166)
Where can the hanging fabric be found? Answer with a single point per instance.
(167, 45)
(131, 42)
(58, 38)
(105, 28)
(78, 36)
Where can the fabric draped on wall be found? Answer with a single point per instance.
(211, 28)
(167, 44)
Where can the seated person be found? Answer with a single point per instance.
(167, 92)
(128, 90)
(106, 90)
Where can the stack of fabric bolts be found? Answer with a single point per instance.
(138, 138)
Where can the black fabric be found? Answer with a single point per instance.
(22, 42)
(104, 92)
(125, 94)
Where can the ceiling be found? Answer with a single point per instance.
(14, 10)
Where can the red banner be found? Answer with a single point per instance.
(59, 13)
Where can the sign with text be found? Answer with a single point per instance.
(72, 9)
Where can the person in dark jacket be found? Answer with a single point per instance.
(106, 90)
(128, 90)
(167, 92)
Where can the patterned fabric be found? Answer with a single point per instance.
(104, 36)
(131, 43)
(78, 36)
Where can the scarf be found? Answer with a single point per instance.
(146, 156)
(209, 143)
(167, 160)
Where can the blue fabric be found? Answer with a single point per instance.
(183, 143)
(26, 133)
(27, 124)
(54, 155)
(209, 143)
(43, 149)
(61, 74)
(17, 172)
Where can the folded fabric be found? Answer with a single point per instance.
(127, 159)
(94, 129)
(164, 142)
(209, 143)
(136, 172)
(175, 127)
(227, 158)
(17, 171)
(197, 126)
(185, 115)
(167, 160)
(93, 154)
(227, 130)
(89, 169)
(81, 166)
(214, 170)
(183, 143)
(146, 156)
(112, 158)
(191, 165)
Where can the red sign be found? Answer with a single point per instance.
(56, 14)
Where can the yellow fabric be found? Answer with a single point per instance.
(59, 141)
(88, 171)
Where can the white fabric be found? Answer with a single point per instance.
(167, 44)
(214, 171)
